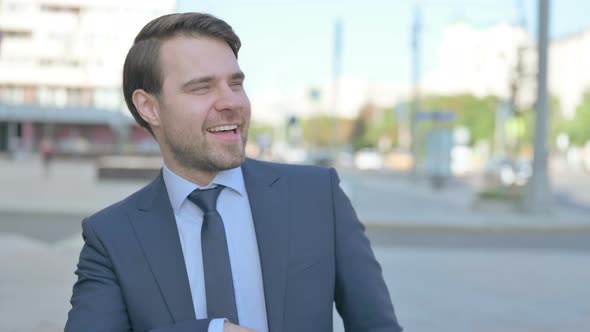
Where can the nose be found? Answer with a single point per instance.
(228, 99)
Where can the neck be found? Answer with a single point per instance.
(200, 177)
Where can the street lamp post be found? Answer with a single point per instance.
(336, 75)
(538, 192)
(416, 93)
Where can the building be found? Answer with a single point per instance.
(484, 62)
(569, 70)
(61, 68)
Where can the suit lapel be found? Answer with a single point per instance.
(267, 194)
(155, 226)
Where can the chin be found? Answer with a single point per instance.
(232, 161)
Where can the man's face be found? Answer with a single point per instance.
(204, 110)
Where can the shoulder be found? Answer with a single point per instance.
(305, 175)
(114, 214)
(290, 169)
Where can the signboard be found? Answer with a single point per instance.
(439, 143)
(435, 116)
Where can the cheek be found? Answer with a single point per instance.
(247, 106)
(189, 114)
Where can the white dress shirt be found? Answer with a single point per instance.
(234, 207)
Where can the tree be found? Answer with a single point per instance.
(326, 130)
(371, 125)
(558, 123)
(259, 128)
(361, 127)
(475, 113)
(578, 128)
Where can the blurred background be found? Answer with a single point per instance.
(460, 129)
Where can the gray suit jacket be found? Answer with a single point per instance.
(313, 252)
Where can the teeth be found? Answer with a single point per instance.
(223, 128)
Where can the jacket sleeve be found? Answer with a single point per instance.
(361, 296)
(199, 325)
(97, 300)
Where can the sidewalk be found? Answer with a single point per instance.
(392, 200)
(432, 289)
(464, 289)
(380, 199)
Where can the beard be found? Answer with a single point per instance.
(199, 154)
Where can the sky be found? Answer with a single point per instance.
(288, 44)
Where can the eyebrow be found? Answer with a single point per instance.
(238, 76)
(206, 79)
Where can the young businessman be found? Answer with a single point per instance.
(219, 242)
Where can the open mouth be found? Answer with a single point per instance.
(226, 133)
(227, 129)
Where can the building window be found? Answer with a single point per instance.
(52, 96)
(49, 62)
(12, 95)
(61, 97)
(22, 34)
(45, 96)
(56, 8)
(79, 97)
(107, 98)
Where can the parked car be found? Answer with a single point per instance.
(368, 159)
(508, 172)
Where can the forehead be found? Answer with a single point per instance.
(186, 57)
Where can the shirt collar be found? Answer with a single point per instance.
(179, 188)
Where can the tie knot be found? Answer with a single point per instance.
(206, 199)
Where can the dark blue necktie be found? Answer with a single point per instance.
(219, 286)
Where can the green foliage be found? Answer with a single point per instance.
(326, 130)
(384, 126)
(371, 125)
(578, 128)
(507, 194)
(360, 128)
(258, 128)
(476, 114)
(556, 123)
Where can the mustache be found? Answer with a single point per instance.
(226, 117)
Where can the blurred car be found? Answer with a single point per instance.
(345, 159)
(508, 172)
(368, 159)
(321, 157)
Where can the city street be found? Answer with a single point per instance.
(466, 275)
(459, 131)
(442, 289)
(53, 228)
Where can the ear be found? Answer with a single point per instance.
(147, 106)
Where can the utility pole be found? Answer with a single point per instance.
(336, 73)
(516, 82)
(416, 30)
(538, 193)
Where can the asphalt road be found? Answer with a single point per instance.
(51, 228)
(569, 240)
(435, 286)
(440, 279)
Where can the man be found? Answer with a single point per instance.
(218, 242)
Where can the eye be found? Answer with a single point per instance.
(201, 89)
(236, 85)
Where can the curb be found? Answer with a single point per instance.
(455, 228)
(18, 213)
(372, 225)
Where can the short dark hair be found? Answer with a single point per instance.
(142, 65)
